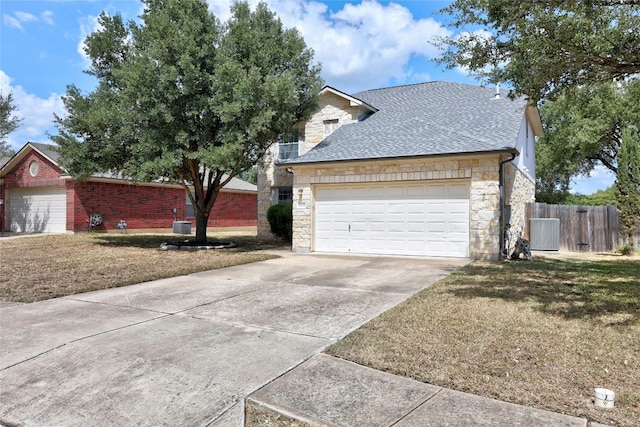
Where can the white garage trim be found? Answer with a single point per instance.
(37, 209)
(413, 218)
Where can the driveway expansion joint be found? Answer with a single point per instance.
(42, 353)
(418, 404)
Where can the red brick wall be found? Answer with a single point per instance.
(140, 206)
(233, 210)
(48, 174)
(4, 200)
(149, 207)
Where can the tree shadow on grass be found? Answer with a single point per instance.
(243, 243)
(604, 291)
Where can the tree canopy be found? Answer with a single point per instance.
(628, 184)
(9, 122)
(187, 99)
(583, 129)
(543, 47)
(599, 198)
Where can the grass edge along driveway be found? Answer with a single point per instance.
(51, 266)
(543, 334)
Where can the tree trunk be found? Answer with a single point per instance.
(201, 226)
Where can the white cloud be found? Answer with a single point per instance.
(47, 16)
(18, 18)
(361, 46)
(11, 21)
(37, 113)
(25, 17)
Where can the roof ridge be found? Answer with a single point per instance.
(421, 84)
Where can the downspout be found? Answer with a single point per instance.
(502, 225)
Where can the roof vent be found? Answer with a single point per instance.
(497, 91)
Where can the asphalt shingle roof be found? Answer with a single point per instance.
(51, 152)
(425, 119)
(48, 150)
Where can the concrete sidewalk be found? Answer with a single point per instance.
(326, 391)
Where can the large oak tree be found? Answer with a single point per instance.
(9, 122)
(543, 47)
(583, 129)
(628, 184)
(184, 98)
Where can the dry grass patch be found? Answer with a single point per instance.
(259, 416)
(43, 267)
(543, 333)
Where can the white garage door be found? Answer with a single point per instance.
(409, 219)
(38, 209)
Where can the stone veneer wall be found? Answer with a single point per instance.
(330, 107)
(482, 172)
(269, 175)
(519, 190)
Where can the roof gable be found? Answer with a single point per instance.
(353, 101)
(436, 118)
(46, 151)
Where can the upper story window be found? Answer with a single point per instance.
(329, 126)
(288, 145)
(33, 168)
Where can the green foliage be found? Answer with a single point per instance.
(599, 198)
(181, 93)
(583, 129)
(627, 250)
(280, 218)
(544, 47)
(250, 175)
(628, 184)
(8, 122)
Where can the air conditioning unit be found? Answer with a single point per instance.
(544, 234)
(181, 227)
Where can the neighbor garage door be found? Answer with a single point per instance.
(409, 219)
(38, 209)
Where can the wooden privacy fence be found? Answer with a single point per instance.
(582, 228)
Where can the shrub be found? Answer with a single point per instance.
(280, 218)
(626, 250)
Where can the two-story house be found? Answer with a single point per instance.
(432, 169)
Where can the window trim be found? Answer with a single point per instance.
(289, 141)
(277, 195)
(329, 126)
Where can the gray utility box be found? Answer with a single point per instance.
(544, 234)
(182, 227)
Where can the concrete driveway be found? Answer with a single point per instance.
(187, 351)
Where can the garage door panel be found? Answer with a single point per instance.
(37, 209)
(415, 219)
(416, 227)
(461, 207)
(436, 190)
(459, 190)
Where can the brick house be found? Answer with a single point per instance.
(432, 169)
(38, 196)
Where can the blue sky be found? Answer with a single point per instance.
(361, 45)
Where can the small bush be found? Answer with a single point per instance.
(280, 218)
(626, 250)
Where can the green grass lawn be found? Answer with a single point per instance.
(543, 333)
